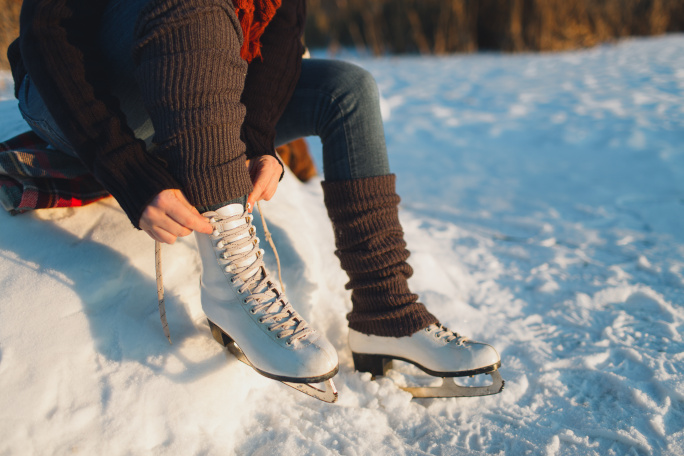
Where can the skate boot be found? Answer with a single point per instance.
(387, 321)
(436, 351)
(250, 315)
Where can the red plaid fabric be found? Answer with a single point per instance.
(33, 175)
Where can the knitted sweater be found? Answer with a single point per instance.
(57, 48)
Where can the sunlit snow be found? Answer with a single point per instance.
(543, 202)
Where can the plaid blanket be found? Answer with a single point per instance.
(33, 175)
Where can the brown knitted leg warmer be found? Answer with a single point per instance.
(370, 246)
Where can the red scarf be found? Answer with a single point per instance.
(254, 16)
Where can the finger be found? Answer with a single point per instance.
(257, 192)
(152, 235)
(271, 179)
(251, 201)
(198, 223)
(161, 236)
(169, 225)
(185, 221)
(269, 190)
(273, 187)
(184, 201)
(163, 218)
(185, 214)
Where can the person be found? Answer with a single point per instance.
(176, 106)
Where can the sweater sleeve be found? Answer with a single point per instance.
(272, 79)
(58, 48)
(191, 78)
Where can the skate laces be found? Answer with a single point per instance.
(242, 257)
(441, 332)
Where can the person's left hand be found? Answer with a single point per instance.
(265, 172)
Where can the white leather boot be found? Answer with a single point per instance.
(435, 350)
(240, 299)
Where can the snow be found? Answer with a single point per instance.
(543, 202)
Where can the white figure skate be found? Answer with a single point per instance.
(435, 350)
(250, 315)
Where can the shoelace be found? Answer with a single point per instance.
(160, 289)
(276, 316)
(443, 333)
(239, 245)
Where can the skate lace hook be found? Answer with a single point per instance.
(442, 332)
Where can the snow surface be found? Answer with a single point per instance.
(543, 201)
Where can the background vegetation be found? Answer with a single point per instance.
(445, 26)
(9, 27)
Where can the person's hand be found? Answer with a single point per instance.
(265, 172)
(170, 216)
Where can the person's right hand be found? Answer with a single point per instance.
(170, 216)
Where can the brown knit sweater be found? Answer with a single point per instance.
(203, 134)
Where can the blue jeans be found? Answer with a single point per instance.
(338, 102)
(334, 100)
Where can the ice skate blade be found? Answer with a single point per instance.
(327, 394)
(449, 388)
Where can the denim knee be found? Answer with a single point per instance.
(354, 112)
(339, 102)
(354, 87)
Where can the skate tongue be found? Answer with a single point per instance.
(230, 210)
(233, 210)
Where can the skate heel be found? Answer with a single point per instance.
(219, 336)
(377, 365)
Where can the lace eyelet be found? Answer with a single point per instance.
(252, 311)
(288, 343)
